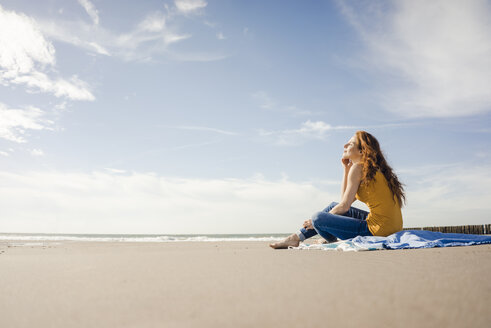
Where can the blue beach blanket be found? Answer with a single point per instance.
(401, 240)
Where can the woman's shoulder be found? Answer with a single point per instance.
(356, 171)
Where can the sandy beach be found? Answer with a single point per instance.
(240, 284)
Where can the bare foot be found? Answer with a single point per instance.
(291, 240)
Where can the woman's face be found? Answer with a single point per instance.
(351, 150)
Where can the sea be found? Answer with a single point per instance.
(125, 238)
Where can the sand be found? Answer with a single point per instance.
(240, 284)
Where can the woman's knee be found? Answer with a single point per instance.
(319, 217)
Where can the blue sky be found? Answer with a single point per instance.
(196, 116)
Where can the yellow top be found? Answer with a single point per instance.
(385, 215)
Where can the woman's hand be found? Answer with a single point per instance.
(347, 163)
(308, 224)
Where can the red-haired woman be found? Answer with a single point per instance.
(368, 178)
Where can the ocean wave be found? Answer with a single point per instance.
(138, 239)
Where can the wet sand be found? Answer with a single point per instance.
(240, 284)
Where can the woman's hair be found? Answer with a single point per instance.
(373, 159)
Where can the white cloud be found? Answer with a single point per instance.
(116, 171)
(26, 57)
(74, 88)
(61, 106)
(308, 130)
(190, 6)
(150, 37)
(4, 153)
(319, 130)
(14, 123)
(37, 152)
(172, 38)
(147, 203)
(444, 195)
(98, 48)
(146, 40)
(220, 36)
(112, 202)
(91, 10)
(79, 34)
(315, 130)
(436, 54)
(154, 22)
(22, 45)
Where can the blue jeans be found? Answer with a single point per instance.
(331, 226)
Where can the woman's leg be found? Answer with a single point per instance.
(356, 213)
(302, 234)
(307, 233)
(349, 225)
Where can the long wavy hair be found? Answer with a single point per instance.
(373, 159)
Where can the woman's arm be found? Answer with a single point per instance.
(351, 182)
(347, 166)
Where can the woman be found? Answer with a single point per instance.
(368, 178)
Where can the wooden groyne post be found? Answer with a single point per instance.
(478, 229)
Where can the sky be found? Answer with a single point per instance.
(199, 117)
